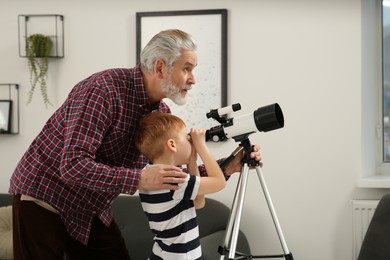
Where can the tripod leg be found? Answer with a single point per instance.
(236, 228)
(233, 227)
(229, 226)
(273, 213)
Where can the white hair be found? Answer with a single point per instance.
(166, 45)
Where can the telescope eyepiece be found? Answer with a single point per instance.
(217, 113)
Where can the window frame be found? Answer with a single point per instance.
(383, 167)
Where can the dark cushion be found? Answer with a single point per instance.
(376, 243)
(5, 199)
(132, 221)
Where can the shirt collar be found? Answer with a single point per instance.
(142, 96)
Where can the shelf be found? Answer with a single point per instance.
(9, 108)
(51, 25)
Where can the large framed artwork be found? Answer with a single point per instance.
(209, 29)
(5, 116)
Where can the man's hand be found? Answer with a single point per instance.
(235, 164)
(161, 177)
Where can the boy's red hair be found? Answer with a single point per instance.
(154, 130)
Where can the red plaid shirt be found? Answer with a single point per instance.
(84, 157)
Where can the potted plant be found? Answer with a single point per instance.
(38, 48)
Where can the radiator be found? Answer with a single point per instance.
(362, 211)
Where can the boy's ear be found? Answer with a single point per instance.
(171, 144)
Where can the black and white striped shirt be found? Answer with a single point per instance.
(172, 218)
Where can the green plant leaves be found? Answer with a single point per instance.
(38, 50)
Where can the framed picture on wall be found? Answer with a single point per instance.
(209, 29)
(5, 116)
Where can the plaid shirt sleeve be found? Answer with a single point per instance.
(87, 122)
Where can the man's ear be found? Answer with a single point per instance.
(171, 144)
(159, 66)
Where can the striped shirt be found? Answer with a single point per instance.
(172, 218)
(84, 157)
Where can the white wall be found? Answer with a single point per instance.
(303, 54)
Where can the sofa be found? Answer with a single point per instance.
(134, 226)
(376, 244)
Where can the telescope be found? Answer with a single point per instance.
(263, 119)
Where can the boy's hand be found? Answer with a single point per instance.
(198, 137)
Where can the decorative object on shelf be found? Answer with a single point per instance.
(38, 51)
(47, 24)
(9, 109)
(41, 37)
(5, 116)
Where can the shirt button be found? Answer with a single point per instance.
(108, 201)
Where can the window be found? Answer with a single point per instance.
(375, 171)
(375, 145)
(383, 156)
(386, 80)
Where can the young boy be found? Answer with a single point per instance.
(163, 139)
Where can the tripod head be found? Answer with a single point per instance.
(245, 145)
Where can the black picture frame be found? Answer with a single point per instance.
(209, 28)
(5, 116)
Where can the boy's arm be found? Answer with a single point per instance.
(192, 167)
(215, 180)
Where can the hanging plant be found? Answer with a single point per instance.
(38, 50)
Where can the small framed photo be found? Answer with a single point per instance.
(5, 116)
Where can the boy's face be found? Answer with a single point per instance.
(184, 147)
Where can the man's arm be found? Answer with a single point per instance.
(235, 165)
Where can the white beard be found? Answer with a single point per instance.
(173, 93)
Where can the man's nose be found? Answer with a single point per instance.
(192, 79)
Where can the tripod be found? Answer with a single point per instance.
(233, 227)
